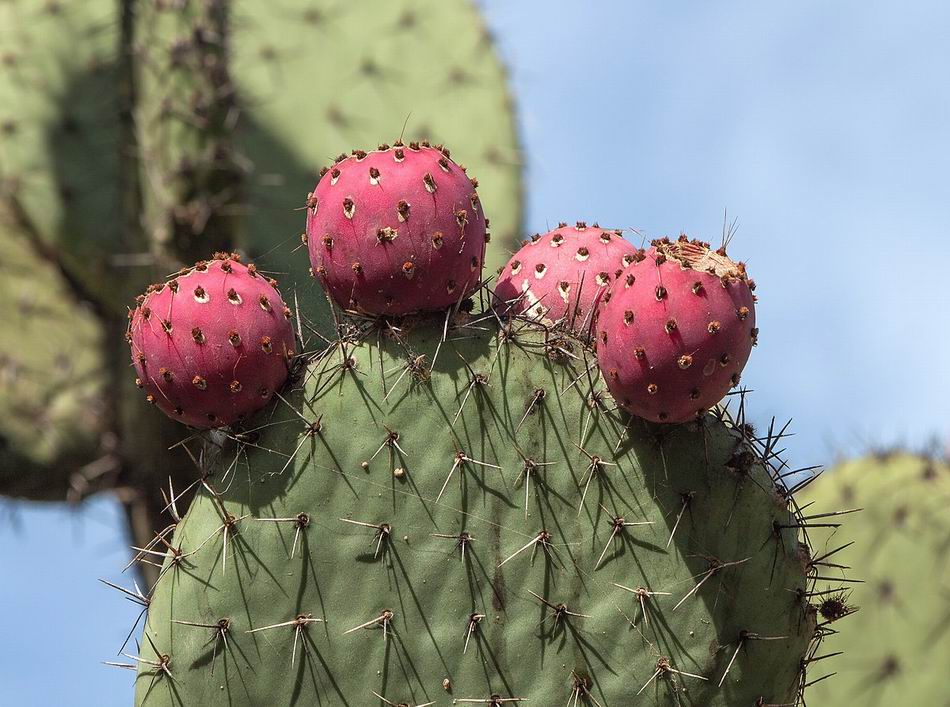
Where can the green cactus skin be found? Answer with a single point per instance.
(95, 127)
(898, 651)
(354, 459)
(49, 373)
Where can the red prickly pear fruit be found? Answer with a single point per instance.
(676, 331)
(397, 230)
(212, 345)
(562, 275)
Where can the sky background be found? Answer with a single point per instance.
(824, 128)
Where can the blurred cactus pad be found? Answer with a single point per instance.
(449, 512)
(136, 137)
(897, 650)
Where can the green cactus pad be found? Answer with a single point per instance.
(898, 649)
(381, 489)
(50, 374)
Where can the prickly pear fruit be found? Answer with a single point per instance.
(676, 330)
(212, 345)
(397, 230)
(560, 276)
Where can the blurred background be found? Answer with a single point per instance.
(819, 132)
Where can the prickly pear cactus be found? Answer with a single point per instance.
(898, 651)
(469, 521)
(199, 125)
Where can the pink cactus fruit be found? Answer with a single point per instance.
(397, 230)
(676, 330)
(212, 345)
(560, 276)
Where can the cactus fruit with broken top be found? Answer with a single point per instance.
(676, 331)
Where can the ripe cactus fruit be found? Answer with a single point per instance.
(396, 230)
(676, 330)
(476, 532)
(560, 276)
(898, 545)
(212, 345)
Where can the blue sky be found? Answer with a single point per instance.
(823, 127)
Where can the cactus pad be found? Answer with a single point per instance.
(467, 522)
(897, 650)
